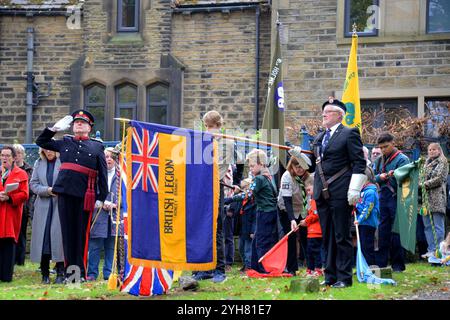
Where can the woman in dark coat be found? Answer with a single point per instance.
(46, 238)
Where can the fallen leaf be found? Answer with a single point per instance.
(45, 293)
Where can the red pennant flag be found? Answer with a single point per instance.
(274, 261)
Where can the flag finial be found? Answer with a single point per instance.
(354, 28)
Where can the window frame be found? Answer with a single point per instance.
(348, 28)
(148, 107)
(118, 106)
(94, 105)
(427, 22)
(414, 113)
(137, 10)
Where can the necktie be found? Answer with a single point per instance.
(327, 138)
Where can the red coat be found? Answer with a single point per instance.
(11, 213)
(312, 222)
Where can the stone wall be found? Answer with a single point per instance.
(316, 60)
(56, 48)
(218, 50)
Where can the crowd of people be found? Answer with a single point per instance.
(71, 196)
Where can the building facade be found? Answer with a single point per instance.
(170, 61)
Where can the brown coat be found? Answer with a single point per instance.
(436, 171)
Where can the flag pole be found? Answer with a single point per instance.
(279, 146)
(227, 136)
(282, 239)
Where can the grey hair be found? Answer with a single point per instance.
(19, 148)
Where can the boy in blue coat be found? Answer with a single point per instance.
(367, 217)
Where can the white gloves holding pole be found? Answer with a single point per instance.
(62, 124)
(354, 190)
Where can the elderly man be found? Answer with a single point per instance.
(376, 153)
(339, 177)
(81, 181)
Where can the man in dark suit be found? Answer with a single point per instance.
(81, 184)
(338, 179)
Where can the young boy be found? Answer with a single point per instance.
(265, 195)
(247, 222)
(367, 217)
(314, 243)
(213, 122)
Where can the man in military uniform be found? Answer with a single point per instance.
(339, 177)
(81, 184)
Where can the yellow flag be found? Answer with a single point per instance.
(350, 96)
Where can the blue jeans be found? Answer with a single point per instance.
(95, 247)
(439, 226)
(245, 249)
(314, 254)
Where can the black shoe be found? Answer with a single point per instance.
(340, 285)
(45, 280)
(326, 283)
(59, 279)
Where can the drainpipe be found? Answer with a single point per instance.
(29, 106)
(258, 13)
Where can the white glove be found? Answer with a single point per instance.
(302, 158)
(63, 124)
(98, 204)
(354, 190)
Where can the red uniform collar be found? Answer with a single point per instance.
(76, 138)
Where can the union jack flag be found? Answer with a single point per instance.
(137, 280)
(147, 158)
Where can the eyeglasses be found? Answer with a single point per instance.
(329, 111)
(5, 155)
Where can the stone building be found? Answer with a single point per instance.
(170, 61)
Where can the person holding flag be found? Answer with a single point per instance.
(339, 177)
(292, 201)
(388, 241)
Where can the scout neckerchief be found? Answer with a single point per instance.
(303, 189)
(383, 168)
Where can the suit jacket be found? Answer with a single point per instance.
(88, 153)
(344, 148)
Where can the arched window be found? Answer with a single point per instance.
(157, 103)
(126, 104)
(95, 102)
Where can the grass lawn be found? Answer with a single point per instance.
(418, 277)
